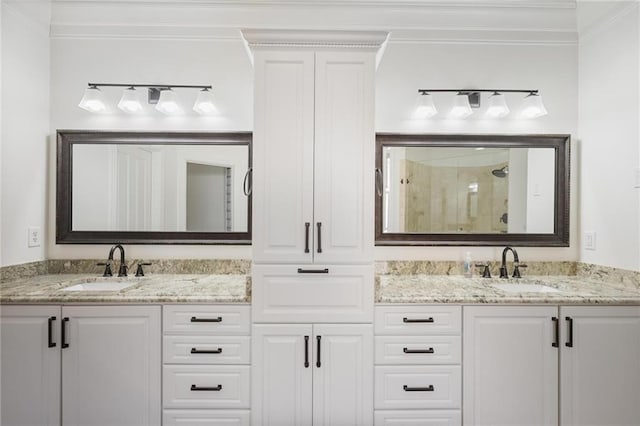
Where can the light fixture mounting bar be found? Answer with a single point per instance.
(467, 91)
(155, 86)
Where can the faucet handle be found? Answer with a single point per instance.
(139, 271)
(107, 268)
(486, 272)
(516, 269)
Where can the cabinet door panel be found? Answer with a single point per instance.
(281, 384)
(510, 366)
(600, 380)
(343, 383)
(111, 369)
(344, 156)
(283, 152)
(30, 368)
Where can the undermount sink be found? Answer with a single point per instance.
(525, 288)
(100, 286)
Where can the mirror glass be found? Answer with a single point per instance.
(142, 187)
(472, 189)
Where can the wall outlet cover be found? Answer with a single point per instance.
(34, 237)
(589, 240)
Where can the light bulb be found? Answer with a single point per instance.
(426, 108)
(168, 102)
(497, 106)
(130, 101)
(92, 101)
(461, 107)
(204, 104)
(532, 106)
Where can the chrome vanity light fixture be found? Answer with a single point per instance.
(468, 99)
(162, 95)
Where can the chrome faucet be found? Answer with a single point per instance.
(122, 270)
(516, 263)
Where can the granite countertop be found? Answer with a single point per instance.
(572, 290)
(154, 288)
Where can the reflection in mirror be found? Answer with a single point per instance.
(473, 190)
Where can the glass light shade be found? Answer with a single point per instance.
(426, 108)
(168, 102)
(461, 107)
(497, 106)
(92, 101)
(532, 106)
(130, 101)
(204, 104)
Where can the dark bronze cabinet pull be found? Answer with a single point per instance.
(204, 388)
(429, 388)
(318, 364)
(313, 271)
(194, 319)
(63, 333)
(306, 351)
(319, 224)
(569, 342)
(307, 225)
(50, 341)
(417, 351)
(247, 190)
(556, 332)
(378, 182)
(206, 351)
(405, 319)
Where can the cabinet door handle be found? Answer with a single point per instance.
(408, 320)
(307, 225)
(247, 189)
(63, 333)
(50, 341)
(556, 332)
(378, 182)
(319, 225)
(313, 271)
(195, 319)
(569, 342)
(418, 351)
(306, 351)
(204, 388)
(206, 351)
(429, 388)
(318, 364)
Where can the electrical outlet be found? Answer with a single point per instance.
(33, 237)
(589, 240)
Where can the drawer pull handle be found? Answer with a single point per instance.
(556, 332)
(429, 388)
(569, 343)
(204, 388)
(306, 351)
(405, 319)
(417, 351)
(313, 271)
(50, 341)
(206, 351)
(196, 319)
(63, 332)
(318, 363)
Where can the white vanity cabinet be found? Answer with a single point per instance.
(320, 374)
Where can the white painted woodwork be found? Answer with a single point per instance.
(600, 374)
(111, 369)
(343, 384)
(236, 319)
(344, 156)
(206, 417)
(397, 350)
(283, 156)
(281, 294)
(447, 320)
(178, 380)
(417, 418)
(30, 378)
(233, 349)
(510, 366)
(391, 380)
(281, 384)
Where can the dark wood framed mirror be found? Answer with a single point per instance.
(153, 187)
(472, 190)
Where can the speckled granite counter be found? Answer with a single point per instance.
(161, 288)
(572, 290)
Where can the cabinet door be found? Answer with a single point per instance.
(344, 157)
(111, 368)
(343, 375)
(600, 379)
(510, 366)
(30, 365)
(281, 380)
(283, 157)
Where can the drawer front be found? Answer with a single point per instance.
(418, 350)
(418, 320)
(207, 319)
(206, 349)
(227, 386)
(418, 418)
(206, 417)
(405, 387)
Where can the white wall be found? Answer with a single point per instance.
(610, 138)
(25, 126)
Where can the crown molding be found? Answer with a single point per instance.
(144, 32)
(484, 36)
(368, 40)
(607, 20)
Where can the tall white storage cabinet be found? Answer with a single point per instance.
(313, 226)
